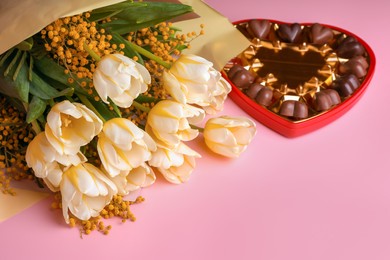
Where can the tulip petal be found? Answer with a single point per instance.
(174, 88)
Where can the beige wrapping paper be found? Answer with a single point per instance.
(23, 18)
(222, 40)
(12, 205)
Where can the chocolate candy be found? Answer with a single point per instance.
(290, 33)
(346, 85)
(350, 47)
(295, 109)
(357, 65)
(261, 94)
(264, 97)
(253, 90)
(298, 71)
(326, 99)
(320, 34)
(259, 28)
(234, 69)
(240, 77)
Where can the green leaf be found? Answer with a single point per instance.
(25, 45)
(18, 88)
(57, 73)
(96, 17)
(134, 18)
(35, 109)
(5, 56)
(51, 69)
(65, 92)
(41, 88)
(22, 84)
(12, 63)
(146, 99)
(103, 109)
(20, 64)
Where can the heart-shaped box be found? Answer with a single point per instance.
(289, 125)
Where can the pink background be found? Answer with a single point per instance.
(325, 195)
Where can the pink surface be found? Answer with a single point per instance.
(325, 195)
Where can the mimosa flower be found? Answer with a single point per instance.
(121, 79)
(70, 126)
(122, 146)
(229, 136)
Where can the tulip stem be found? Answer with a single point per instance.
(149, 55)
(36, 127)
(141, 107)
(88, 104)
(200, 129)
(115, 107)
(93, 54)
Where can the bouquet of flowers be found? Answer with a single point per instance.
(96, 103)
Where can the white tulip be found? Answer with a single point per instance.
(47, 163)
(140, 177)
(121, 79)
(175, 165)
(85, 191)
(70, 126)
(219, 96)
(229, 136)
(122, 146)
(193, 80)
(168, 123)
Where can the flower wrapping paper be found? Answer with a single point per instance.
(27, 17)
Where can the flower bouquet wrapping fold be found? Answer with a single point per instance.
(98, 100)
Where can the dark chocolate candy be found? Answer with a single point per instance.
(357, 65)
(259, 28)
(349, 48)
(295, 109)
(240, 77)
(320, 34)
(346, 85)
(290, 33)
(326, 99)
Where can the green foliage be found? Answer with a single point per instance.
(35, 109)
(128, 16)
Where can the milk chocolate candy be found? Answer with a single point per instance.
(261, 94)
(240, 77)
(253, 90)
(264, 96)
(349, 48)
(320, 34)
(234, 69)
(326, 99)
(357, 65)
(259, 28)
(346, 85)
(290, 33)
(295, 109)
